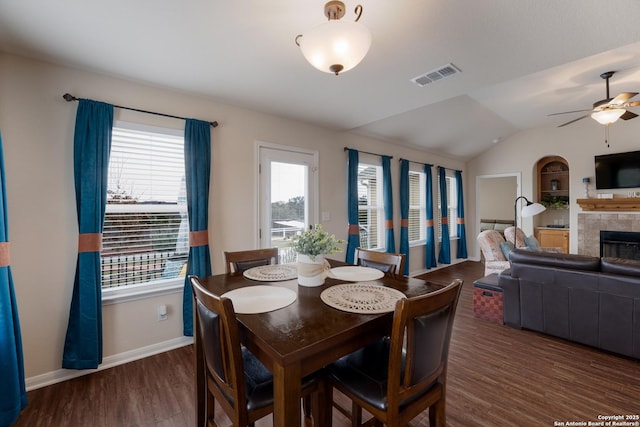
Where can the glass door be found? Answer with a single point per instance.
(288, 193)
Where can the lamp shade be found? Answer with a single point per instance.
(336, 46)
(532, 209)
(606, 117)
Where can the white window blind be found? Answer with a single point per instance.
(370, 206)
(417, 206)
(145, 236)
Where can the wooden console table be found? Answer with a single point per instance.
(615, 204)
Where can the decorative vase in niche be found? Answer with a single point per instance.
(554, 185)
(312, 270)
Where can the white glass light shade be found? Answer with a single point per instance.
(336, 46)
(606, 117)
(532, 209)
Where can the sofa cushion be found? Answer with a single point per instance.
(556, 260)
(506, 248)
(626, 267)
(532, 243)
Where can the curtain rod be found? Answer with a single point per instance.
(429, 164)
(418, 163)
(451, 169)
(367, 152)
(67, 97)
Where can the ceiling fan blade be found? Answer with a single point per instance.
(567, 112)
(632, 104)
(628, 115)
(622, 98)
(575, 120)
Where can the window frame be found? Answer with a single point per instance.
(452, 194)
(378, 207)
(161, 286)
(421, 207)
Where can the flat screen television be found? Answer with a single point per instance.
(620, 170)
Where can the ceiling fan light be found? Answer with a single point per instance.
(336, 45)
(609, 116)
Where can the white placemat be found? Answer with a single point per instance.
(260, 298)
(363, 298)
(272, 273)
(356, 273)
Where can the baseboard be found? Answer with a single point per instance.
(60, 375)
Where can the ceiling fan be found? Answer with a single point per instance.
(608, 110)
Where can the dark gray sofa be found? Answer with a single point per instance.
(585, 299)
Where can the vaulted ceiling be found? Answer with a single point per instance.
(519, 60)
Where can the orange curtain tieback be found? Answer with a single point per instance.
(90, 242)
(460, 220)
(404, 223)
(354, 229)
(5, 259)
(198, 238)
(429, 223)
(444, 220)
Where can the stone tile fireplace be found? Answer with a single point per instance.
(590, 224)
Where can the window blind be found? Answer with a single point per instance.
(146, 230)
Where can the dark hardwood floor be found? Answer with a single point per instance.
(498, 376)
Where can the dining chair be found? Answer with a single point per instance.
(243, 260)
(390, 264)
(234, 377)
(397, 378)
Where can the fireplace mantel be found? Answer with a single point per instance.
(615, 204)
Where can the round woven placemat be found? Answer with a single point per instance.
(272, 273)
(362, 298)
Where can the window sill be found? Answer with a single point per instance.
(137, 292)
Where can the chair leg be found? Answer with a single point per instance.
(210, 408)
(356, 415)
(437, 416)
(306, 406)
(319, 404)
(325, 404)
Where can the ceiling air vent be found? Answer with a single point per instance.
(435, 75)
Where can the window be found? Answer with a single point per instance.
(417, 208)
(288, 195)
(146, 230)
(452, 201)
(370, 206)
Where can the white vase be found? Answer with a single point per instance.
(311, 272)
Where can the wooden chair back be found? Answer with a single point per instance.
(391, 264)
(217, 329)
(237, 262)
(421, 334)
(416, 368)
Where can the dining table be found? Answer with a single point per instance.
(302, 337)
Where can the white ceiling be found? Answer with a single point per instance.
(520, 59)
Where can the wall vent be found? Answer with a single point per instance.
(435, 75)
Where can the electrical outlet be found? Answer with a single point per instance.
(162, 312)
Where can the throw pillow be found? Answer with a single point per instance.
(506, 248)
(532, 243)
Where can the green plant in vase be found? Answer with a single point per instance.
(311, 246)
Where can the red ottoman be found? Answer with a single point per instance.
(487, 299)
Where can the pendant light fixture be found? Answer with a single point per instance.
(336, 46)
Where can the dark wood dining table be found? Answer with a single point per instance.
(301, 338)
